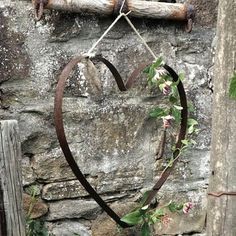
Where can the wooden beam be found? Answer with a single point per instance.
(138, 8)
(221, 213)
(10, 180)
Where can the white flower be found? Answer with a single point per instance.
(159, 73)
(187, 207)
(167, 121)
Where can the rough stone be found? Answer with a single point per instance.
(39, 207)
(51, 167)
(69, 228)
(28, 176)
(64, 190)
(193, 222)
(72, 209)
(15, 62)
(104, 225)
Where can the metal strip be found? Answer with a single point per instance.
(115, 73)
(65, 146)
(219, 194)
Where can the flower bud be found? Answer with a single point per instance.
(187, 207)
(167, 121)
(166, 88)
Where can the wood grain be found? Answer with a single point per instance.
(138, 8)
(10, 176)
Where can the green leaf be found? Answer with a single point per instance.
(174, 91)
(191, 126)
(185, 142)
(161, 86)
(178, 107)
(145, 230)
(158, 112)
(192, 122)
(174, 207)
(156, 216)
(146, 70)
(144, 197)
(172, 99)
(191, 129)
(232, 86)
(181, 76)
(176, 83)
(193, 141)
(176, 113)
(133, 218)
(151, 73)
(159, 212)
(36, 228)
(158, 63)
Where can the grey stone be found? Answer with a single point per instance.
(28, 176)
(104, 225)
(39, 208)
(69, 228)
(181, 223)
(72, 209)
(64, 190)
(52, 166)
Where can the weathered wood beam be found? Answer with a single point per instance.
(10, 180)
(221, 212)
(138, 8)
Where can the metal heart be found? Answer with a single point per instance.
(122, 87)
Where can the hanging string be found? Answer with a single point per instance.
(125, 15)
(141, 38)
(89, 53)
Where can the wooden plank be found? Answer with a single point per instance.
(3, 224)
(138, 8)
(10, 176)
(158, 10)
(221, 214)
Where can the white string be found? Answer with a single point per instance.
(141, 38)
(122, 5)
(89, 53)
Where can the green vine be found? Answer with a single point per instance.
(34, 227)
(170, 114)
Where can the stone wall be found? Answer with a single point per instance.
(113, 138)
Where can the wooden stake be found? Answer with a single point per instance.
(10, 180)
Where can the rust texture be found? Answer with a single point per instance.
(58, 117)
(219, 194)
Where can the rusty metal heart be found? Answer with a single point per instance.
(122, 87)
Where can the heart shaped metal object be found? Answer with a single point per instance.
(122, 87)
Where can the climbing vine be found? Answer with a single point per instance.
(34, 227)
(170, 114)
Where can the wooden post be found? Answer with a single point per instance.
(221, 214)
(11, 210)
(3, 224)
(138, 8)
